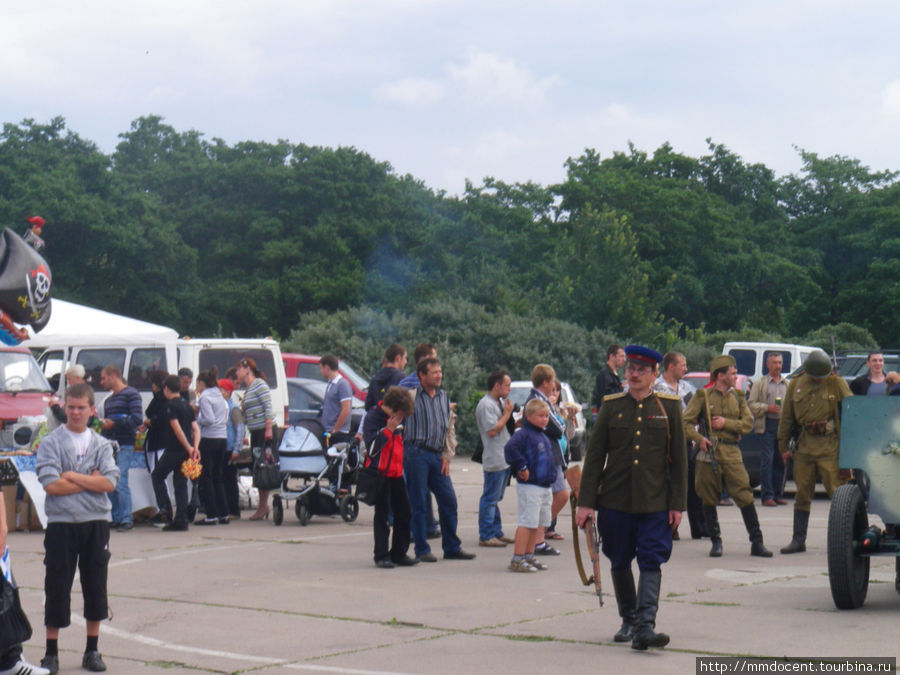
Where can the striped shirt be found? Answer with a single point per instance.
(257, 405)
(427, 426)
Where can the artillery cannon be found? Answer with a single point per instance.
(870, 445)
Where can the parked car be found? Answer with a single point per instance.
(852, 365)
(305, 400)
(24, 395)
(307, 366)
(699, 379)
(518, 393)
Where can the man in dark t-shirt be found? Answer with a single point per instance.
(182, 442)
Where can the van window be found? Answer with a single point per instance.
(745, 360)
(95, 360)
(223, 359)
(144, 362)
(785, 358)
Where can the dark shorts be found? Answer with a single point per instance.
(68, 546)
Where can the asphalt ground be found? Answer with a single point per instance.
(251, 597)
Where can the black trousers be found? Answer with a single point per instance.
(393, 499)
(68, 546)
(212, 479)
(170, 462)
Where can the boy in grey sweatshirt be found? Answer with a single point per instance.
(77, 469)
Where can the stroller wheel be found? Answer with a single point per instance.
(349, 508)
(277, 510)
(302, 510)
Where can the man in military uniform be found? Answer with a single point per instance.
(811, 408)
(723, 416)
(635, 477)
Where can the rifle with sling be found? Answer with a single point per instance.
(705, 425)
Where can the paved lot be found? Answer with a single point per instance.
(252, 597)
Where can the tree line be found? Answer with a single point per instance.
(260, 238)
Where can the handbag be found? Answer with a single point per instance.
(14, 626)
(369, 484)
(267, 471)
(478, 455)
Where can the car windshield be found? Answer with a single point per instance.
(20, 372)
(358, 380)
(854, 365)
(518, 395)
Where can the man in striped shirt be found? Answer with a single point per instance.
(425, 466)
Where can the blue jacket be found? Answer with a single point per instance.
(529, 448)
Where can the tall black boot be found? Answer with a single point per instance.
(648, 603)
(751, 522)
(711, 518)
(798, 541)
(626, 599)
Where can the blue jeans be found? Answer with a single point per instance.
(121, 497)
(771, 466)
(423, 473)
(489, 524)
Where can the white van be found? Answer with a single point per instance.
(200, 354)
(95, 339)
(751, 356)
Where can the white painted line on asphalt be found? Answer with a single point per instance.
(335, 669)
(176, 554)
(264, 660)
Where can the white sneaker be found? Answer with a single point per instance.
(22, 667)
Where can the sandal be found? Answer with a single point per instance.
(556, 536)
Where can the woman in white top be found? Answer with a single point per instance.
(212, 417)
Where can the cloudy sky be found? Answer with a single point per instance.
(449, 90)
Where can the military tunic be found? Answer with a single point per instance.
(812, 406)
(634, 473)
(631, 465)
(730, 465)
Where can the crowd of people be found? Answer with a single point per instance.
(657, 448)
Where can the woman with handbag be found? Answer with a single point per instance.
(257, 407)
(383, 436)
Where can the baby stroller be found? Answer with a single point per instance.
(320, 480)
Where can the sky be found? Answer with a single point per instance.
(454, 90)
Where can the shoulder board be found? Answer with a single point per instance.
(740, 393)
(612, 397)
(666, 396)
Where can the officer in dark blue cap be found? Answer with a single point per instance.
(635, 478)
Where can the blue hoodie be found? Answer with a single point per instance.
(529, 448)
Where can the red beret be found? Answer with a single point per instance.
(36, 220)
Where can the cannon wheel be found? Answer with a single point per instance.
(277, 510)
(302, 511)
(847, 571)
(349, 508)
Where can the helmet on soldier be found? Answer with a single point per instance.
(817, 364)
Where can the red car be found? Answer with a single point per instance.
(306, 365)
(24, 392)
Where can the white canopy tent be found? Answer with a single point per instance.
(74, 325)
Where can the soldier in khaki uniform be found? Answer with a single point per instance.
(635, 476)
(722, 413)
(812, 407)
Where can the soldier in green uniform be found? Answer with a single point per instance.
(635, 477)
(723, 415)
(812, 407)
